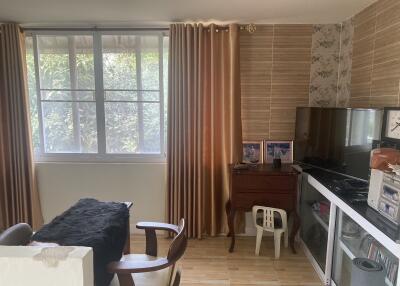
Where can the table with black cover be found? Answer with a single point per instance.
(103, 226)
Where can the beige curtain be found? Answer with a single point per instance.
(19, 200)
(204, 124)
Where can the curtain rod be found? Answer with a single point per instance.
(31, 29)
(251, 28)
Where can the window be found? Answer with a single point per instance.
(98, 95)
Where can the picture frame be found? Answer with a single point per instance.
(284, 147)
(253, 152)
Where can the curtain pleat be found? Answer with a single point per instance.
(19, 198)
(204, 124)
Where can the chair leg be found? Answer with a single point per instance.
(125, 280)
(286, 236)
(177, 280)
(277, 242)
(258, 240)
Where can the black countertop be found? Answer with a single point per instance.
(354, 192)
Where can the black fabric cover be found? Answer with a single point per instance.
(102, 226)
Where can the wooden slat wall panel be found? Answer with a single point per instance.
(290, 77)
(256, 65)
(363, 56)
(275, 76)
(376, 56)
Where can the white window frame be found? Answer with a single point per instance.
(101, 155)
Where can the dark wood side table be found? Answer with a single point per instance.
(265, 186)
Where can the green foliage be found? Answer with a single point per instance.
(71, 126)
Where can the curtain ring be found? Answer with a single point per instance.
(251, 28)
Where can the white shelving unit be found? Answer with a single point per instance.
(344, 243)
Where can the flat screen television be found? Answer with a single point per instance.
(338, 139)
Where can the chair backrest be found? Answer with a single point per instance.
(19, 234)
(269, 216)
(176, 251)
(179, 244)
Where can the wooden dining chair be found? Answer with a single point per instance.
(149, 269)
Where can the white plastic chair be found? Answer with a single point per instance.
(268, 224)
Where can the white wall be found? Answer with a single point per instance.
(63, 184)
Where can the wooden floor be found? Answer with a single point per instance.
(208, 262)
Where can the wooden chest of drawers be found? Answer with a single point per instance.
(262, 185)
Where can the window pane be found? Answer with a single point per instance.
(119, 71)
(88, 127)
(119, 62)
(151, 127)
(70, 127)
(116, 95)
(165, 78)
(151, 96)
(30, 62)
(84, 62)
(67, 77)
(131, 73)
(67, 95)
(53, 62)
(58, 127)
(122, 134)
(61, 57)
(125, 95)
(150, 63)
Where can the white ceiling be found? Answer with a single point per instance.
(162, 12)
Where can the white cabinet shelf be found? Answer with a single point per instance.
(320, 220)
(346, 245)
(346, 250)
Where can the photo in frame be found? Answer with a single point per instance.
(278, 149)
(253, 152)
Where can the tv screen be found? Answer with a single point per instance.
(338, 139)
